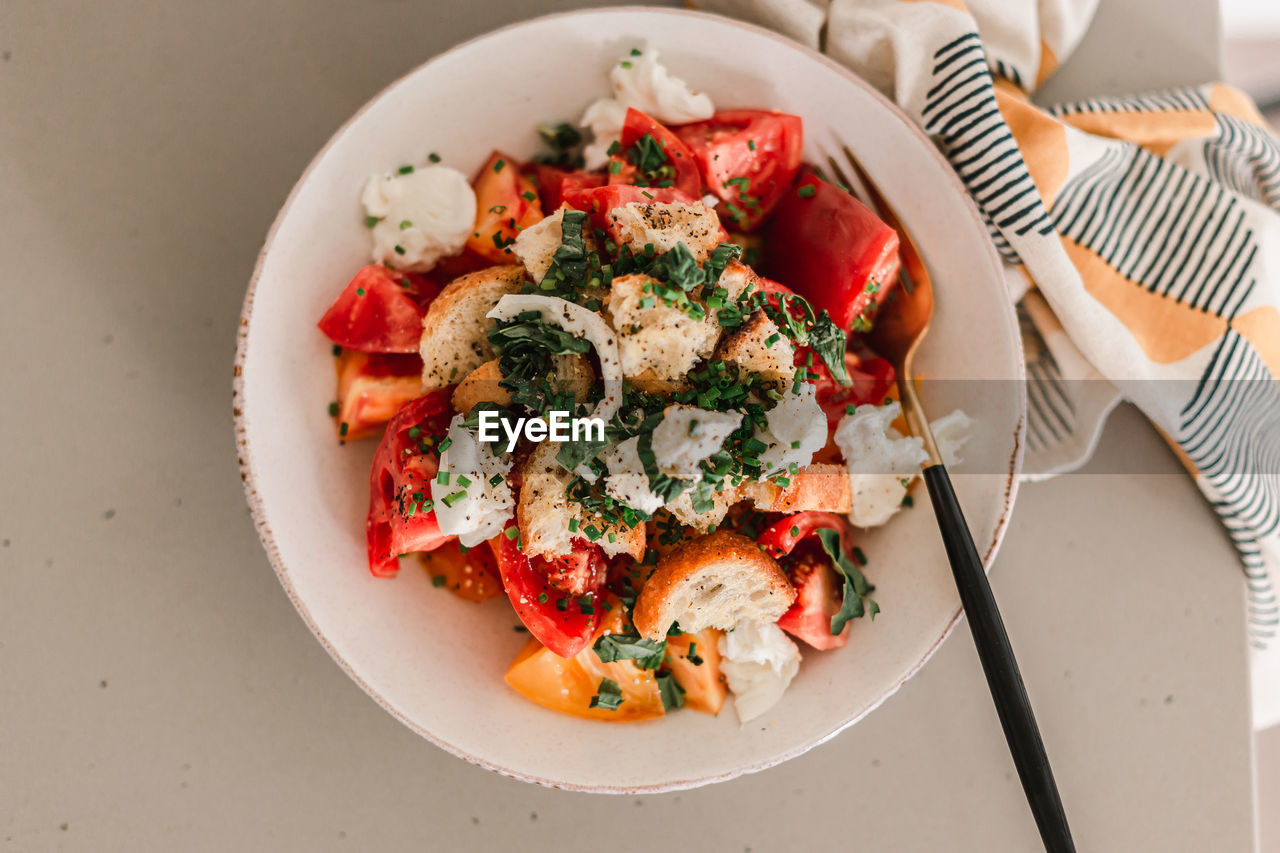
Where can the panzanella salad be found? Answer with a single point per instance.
(625, 384)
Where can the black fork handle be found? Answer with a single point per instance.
(1003, 677)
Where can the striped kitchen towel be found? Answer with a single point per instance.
(1141, 232)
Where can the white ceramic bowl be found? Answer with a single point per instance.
(435, 661)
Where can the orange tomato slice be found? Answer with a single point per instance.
(704, 687)
(568, 685)
(473, 575)
(371, 388)
(506, 203)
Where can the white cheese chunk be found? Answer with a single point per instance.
(686, 435)
(478, 509)
(758, 660)
(626, 481)
(645, 84)
(951, 434)
(795, 429)
(536, 245)
(423, 216)
(882, 462)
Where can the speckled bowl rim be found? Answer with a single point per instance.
(248, 477)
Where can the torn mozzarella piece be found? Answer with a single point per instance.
(687, 435)
(758, 660)
(645, 84)
(468, 505)
(882, 462)
(626, 481)
(795, 429)
(536, 245)
(951, 434)
(423, 216)
(579, 321)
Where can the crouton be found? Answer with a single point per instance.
(454, 342)
(736, 278)
(821, 486)
(681, 508)
(480, 386)
(637, 225)
(544, 513)
(657, 342)
(573, 373)
(759, 347)
(715, 581)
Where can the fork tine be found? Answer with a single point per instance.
(839, 173)
(913, 267)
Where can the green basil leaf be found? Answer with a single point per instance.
(856, 587)
(672, 693)
(608, 695)
(647, 654)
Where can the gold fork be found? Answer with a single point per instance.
(896, 335)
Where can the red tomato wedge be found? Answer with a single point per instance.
(563, 622)
(819, 593)
(873, 381)
(748, 158)
(400, 483)
(819, 588)
(380, 310)
(598, 201)
(470, 573)
(506, 203)
(681, 170)
(554, 182)
(371, 389)
(831, 249)
(781, 537)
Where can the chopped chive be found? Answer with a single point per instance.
(635, 51)
(751, 143)
(806, 191)
(404, 223)
(371, 221)
(439, 580)
(433, 157)
(399, 250)
(342, 429)
(497, 167)
(360, 291)
(333, 410)
(528, 195)
(542, 596)
(406, 170)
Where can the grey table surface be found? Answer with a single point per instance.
(159, 692)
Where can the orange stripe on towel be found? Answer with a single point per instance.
(1167, 330)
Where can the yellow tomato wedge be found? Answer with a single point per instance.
(506, 204)
(704, 688)
(568, 685)
(473, 575)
